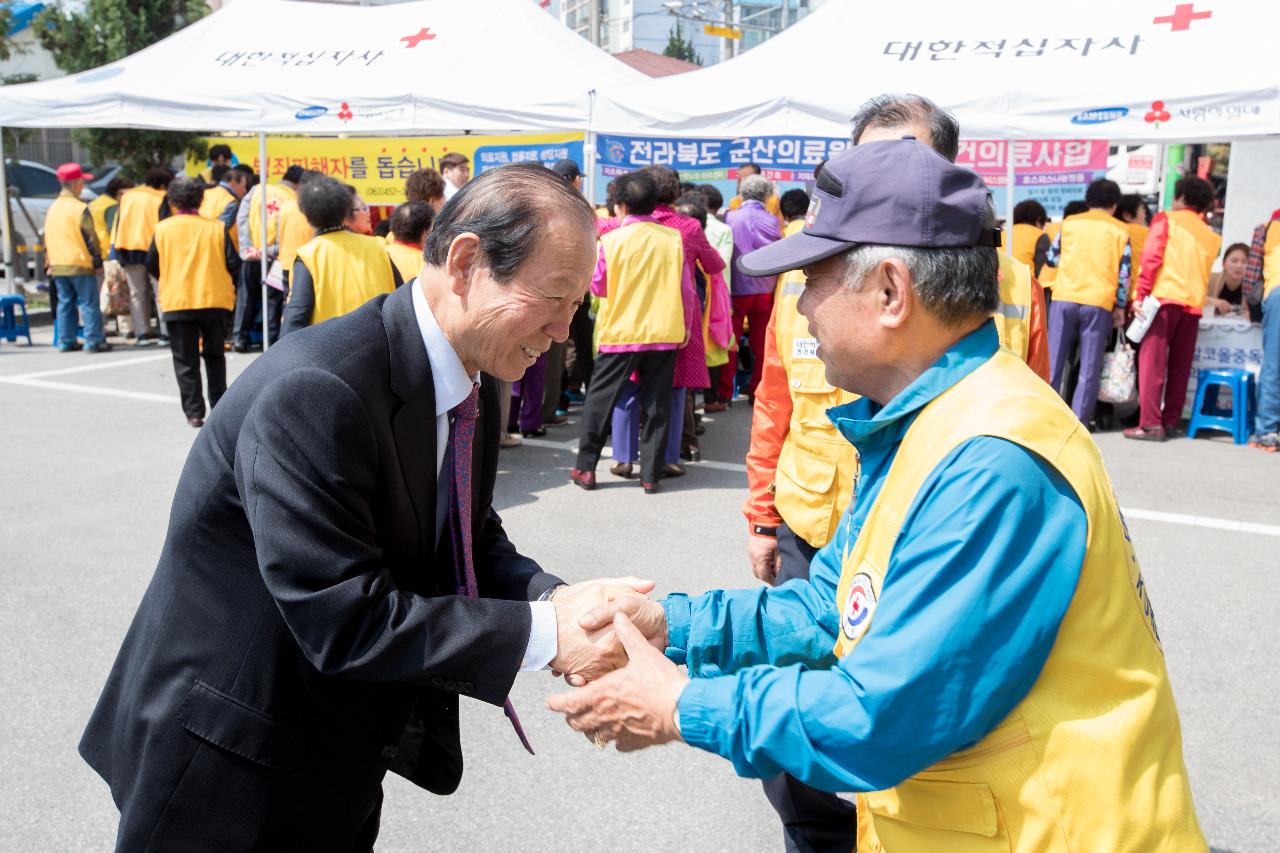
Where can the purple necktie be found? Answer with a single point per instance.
(462, 431)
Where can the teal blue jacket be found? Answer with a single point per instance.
(977, 584)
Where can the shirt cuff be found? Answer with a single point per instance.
(706, 708)
(678, 612)
(542, 637)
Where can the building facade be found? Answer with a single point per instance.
(621, 25)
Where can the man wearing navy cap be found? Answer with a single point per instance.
(975, 653)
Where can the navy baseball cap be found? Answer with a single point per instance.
(890, 193)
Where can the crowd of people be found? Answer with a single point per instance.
(671, 330)
(1102, 263)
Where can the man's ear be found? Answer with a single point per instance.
(460, 263)
(895, 298)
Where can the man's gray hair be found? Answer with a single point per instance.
(508, 209)
(902, 110)
(955, 284)
(756, 188)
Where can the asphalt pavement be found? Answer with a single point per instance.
(91, 448)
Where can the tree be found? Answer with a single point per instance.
(680, 47)
(102, 32)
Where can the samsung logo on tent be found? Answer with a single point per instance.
(1100, 116)
(310, 112)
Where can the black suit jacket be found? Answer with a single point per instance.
(301, 635)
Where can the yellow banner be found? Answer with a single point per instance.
(722, 32)
(378, 166)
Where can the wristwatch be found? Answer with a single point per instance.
(550, 591)
(761, 530)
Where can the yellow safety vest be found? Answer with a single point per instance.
(1271, 261)
(1050, 274)
(1137, 242)
(1089, 261)
(64, 244)
(347, 270)
(1091, 758)
(816, 466)
(277, 195)
(1013, 314)
(408, 259)
(193, 264)
(1188, 258)
(643, 303)
(1025, 238)
(295, 232)
(98, 212)
(215, 204)
(137, 217)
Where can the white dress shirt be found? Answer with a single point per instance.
(452, 386)
(449, 189)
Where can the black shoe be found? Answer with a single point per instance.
(75, 346)
(691, 455)
(99, 347)
(533, 433)
(195, 422)
(240, 347)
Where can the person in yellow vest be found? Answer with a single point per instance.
(222, 200)
(250, 225)
(1176, 263)
(295, 230)
(73, 258)
(800, 471)
(772, 204)
(1030, 242)
(1052, 229)
(104, 208)
(338, 270)
(1261, 285)
(1093, 259)
(410, 224)
(135, 226)
(975, 654)
(220, 156)
(194, 262)
(640, 327)
(1136, 216)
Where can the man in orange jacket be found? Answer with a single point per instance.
(800, 472)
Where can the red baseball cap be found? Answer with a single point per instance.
(73, 172)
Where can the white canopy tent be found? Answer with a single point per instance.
(1009, 69)
(281, 66)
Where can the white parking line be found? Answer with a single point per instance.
(29, 382)
(1204, 521)
(97, 365)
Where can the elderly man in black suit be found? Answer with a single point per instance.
(331, 582)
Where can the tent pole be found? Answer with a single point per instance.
(10, 286)
(1010, 177)
(589, 150)
(262, 197)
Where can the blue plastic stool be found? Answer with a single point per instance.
(1206, 414)
(79, 330)
(10, 328)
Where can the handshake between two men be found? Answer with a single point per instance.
(610, 643)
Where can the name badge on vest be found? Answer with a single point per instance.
(804, 348)
(858, 607)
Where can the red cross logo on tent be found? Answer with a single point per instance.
(421, 35)
(345, 113)
(1182, 17)
(1157, 114)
